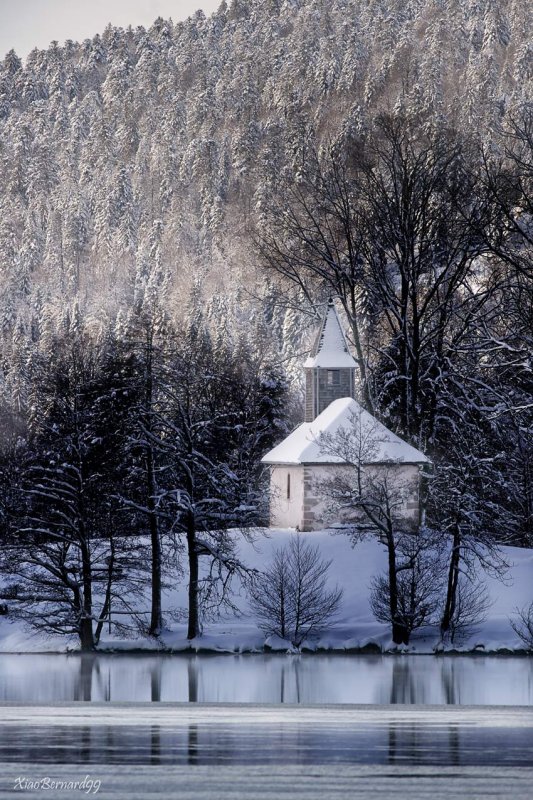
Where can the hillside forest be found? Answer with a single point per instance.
(177, 205)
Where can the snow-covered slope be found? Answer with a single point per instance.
(355, 627)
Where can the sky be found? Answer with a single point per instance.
(25, 24)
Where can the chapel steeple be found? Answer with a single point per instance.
(330, 369)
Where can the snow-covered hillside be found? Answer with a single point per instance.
(136, 157)
(354, 627)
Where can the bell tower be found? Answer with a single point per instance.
(330, 369)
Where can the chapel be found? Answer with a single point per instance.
(301, 462)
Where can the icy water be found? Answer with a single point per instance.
(306, 679)
(266, 727)
(206, 735)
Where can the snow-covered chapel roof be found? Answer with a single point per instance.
(367, 439)
(331, 349)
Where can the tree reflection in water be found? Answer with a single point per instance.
(192, 681)
(155, 681)
(275, 678)
(83, 690)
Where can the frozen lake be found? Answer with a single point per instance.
(250, 752)
(273, 726)
(306, 679)
(222, 734)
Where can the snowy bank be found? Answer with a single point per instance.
(354, 628)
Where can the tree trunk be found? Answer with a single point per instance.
(400, 634)
(359, 357)
(86, 620)
(156, 617)
(193, 626)
(414, 431)
(453, 579)
(86, 635)
(282, 612)
(85, 627)
(403, 359)
(106, 607)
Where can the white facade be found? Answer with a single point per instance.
(401, 479)
(297, 499)
(286, 496)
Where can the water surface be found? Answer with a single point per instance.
(235, 734)
(382, 680)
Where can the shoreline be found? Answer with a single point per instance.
(478, 652)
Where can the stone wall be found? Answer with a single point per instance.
(403, 478)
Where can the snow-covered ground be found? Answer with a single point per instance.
(354, 626)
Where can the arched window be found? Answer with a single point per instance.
(288, 485)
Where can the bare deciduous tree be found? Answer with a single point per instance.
(471, 605)
(418, 584)
(291, 598)
(370, 500)
(384, 222)
(523, 626)
(71, 560)
(468, 520)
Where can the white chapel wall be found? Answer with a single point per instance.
(286, 512)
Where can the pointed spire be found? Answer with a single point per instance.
(331, 348)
